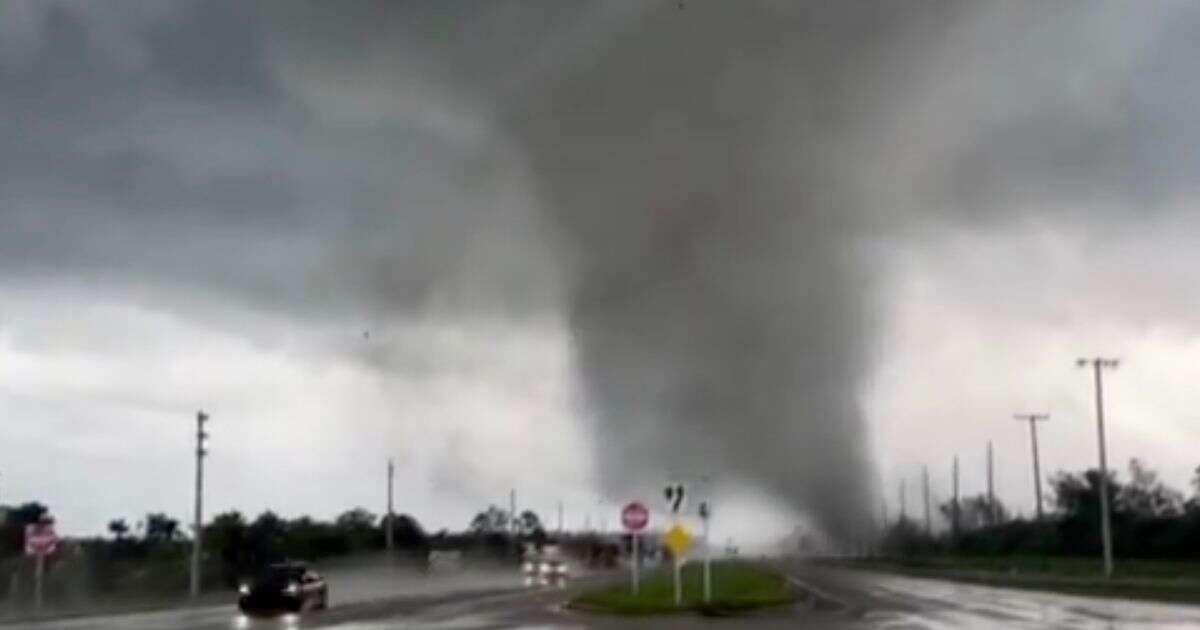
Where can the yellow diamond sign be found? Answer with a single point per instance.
(678, 540)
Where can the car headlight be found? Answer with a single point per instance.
(546, 568)
(292, 589)
(243, 589)
(527, 567)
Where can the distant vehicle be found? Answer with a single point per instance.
(287, 586)
(546, 568)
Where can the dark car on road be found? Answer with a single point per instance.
(287, 586)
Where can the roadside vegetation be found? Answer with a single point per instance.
(737, 587)
(1156, 540)
(145, 562)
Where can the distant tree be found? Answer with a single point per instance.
(975, 512)
(905, 539)
(527, 522)
(1146, 496)
(310, 539)
(1193, 502)
(1077, 501)
(12, 529)
(27, 513)
(1079, 493)
(529, 527)
(492, 520)
(407, 533)
(118, 528)
(358, 518)
(265, 539)
(358, 528)
(228, 535)
(161, 528)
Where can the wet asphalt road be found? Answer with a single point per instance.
(846, 599)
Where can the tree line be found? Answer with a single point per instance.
(1150, 520)
(150, 556)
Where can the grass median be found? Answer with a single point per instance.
(738, 587)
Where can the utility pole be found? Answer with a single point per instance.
(992, 513)
(512, 520)
(883, 511)
(198, 528)
(560, 520)
(954, 522)
(1098, 364)
(925, 492)
(1033, 419)
(903, 502)
(387, 534)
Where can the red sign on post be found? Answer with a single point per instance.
(40, 539)
(635, 516)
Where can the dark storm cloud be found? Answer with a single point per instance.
(710, 182)
(165, 155)
(1087, 128)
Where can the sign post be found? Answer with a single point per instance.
(635, 517)
(39, 569)
(40, 541)
(678, 581)
(678, 540)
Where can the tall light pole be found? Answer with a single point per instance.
(1033, 419)
(201, 418)
(387, 534)
(1098, 364)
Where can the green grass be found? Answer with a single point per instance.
(737, 587)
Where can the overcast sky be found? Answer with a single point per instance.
(358, 232)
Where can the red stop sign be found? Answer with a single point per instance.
(635, 516)
(40, 539)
